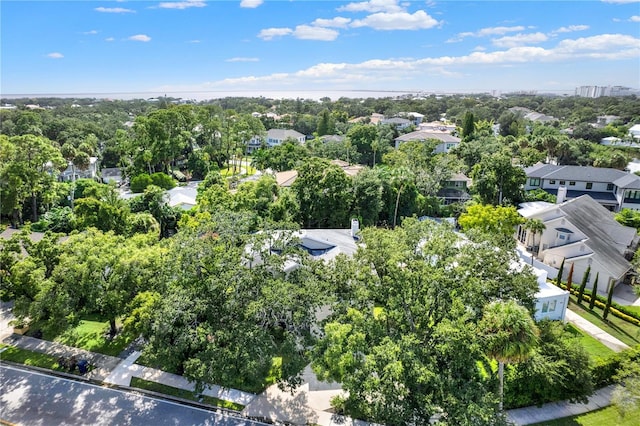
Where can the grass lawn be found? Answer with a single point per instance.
(23, 356)
(90, 334)
(185, 394)
(36, 359)
(594, 347)
(604, 417)
(627, 332)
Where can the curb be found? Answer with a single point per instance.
(142, 392)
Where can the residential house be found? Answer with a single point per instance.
(456, 189)
(414, 117)
(603, 120)
(349, 169)
(397, 122)
(91, 172)
(614, 141)
(437, 126)
(446, 141)
(584, 234)
(528, 114)
(274, 137)
(112, 174)
(634, 131)
(612, 188)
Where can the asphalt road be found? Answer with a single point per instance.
(30, 398)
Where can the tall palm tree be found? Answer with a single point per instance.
(535, 226)
(510, 335)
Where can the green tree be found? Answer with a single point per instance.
(583, 284)
(560, 272)
(490, 219)
(468, 125)
(607, 307)
(407, 306)
(594, 293)
(626, 395)
(535, 226)
(367, 196)
(324, 194)
(510, 335)
(496, 180)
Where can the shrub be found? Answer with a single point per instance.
(139, 183)
(163, 180)
(604, 370)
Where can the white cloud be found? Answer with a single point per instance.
(109, 39)
(337, 22)
(270, 33)
(519, 40)
(55, 55)
(241, 59)
(570, 29)
(635, 18)
(389, 6)
(140, 37)
(114, 10)
(181, 4)
(194, 41)
(397, 21)
(251, 4)
(307, 32)
(92, 32)
(485, 32)
(402, 71)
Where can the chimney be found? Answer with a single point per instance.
(562, 195)
(355, 227)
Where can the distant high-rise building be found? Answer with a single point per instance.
(598, 91)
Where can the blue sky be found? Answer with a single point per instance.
(207, 49)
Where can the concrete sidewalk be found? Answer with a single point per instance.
(596, 332)
(557, 410)
(104, 364)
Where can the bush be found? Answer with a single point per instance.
(604, 370)
(139, 183)
(163, 180)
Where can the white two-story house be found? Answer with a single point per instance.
(446, 140)
(274, 137)
(612, 188)
(582, 233)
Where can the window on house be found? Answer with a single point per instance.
(552, 306)
(589, 185)
(534, 181)
(545, 307)
(552, 182)
(609, 187)
(572, 183)
(561, 182)
(561, 236)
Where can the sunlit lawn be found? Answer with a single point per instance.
(594, 347)
(608, 416)
(182, 393)
(91, 334)
(623, 330)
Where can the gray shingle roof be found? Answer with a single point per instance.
(584, 174)
(282, 134)
(421, 135)
(605, 235)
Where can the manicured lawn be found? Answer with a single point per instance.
(90, 334)
(594, 347)
(604, 417)
(36, 359)
(623, 330)
(23, 356)
(185, 394)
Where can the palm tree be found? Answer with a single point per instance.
(510, 335)
(535, 226)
